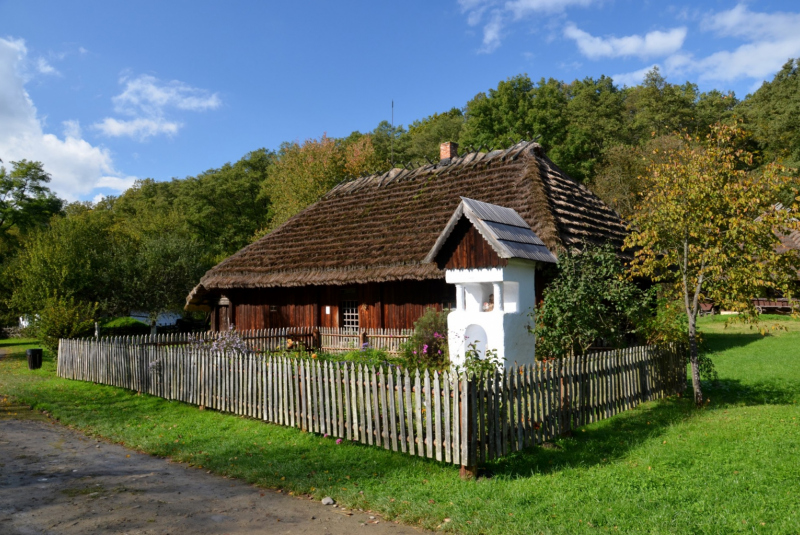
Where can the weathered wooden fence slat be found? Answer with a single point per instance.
(458, 419)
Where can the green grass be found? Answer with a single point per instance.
(124, 326)
(16, 345)
(662, 468)
(125, 322)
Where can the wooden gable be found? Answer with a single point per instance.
(465, 248)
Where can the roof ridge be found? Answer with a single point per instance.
(351, 185)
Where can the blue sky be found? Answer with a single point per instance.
(107, 92)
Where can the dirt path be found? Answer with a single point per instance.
(55, 480)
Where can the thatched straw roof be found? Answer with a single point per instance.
(790, 241)
(381, 227)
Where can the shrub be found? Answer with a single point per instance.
(591, 298)
(63, 317)
(124, 326)
(476, 365)
(427, 347)
(368, 356)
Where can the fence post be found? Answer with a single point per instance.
(316, 339)
(469, 462)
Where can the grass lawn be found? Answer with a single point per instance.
(662, 468)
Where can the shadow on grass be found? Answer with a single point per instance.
(718, 342)
(12, 342)
(611, 439)
(734, 392)
(597, 444)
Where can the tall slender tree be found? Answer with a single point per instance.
(707, 228)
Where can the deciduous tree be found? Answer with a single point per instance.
(303, 173)
(25, 201)
(707, 228)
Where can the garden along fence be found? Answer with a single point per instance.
(453, 418)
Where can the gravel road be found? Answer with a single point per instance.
(55, 480)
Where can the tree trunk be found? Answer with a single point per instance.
(698, 392)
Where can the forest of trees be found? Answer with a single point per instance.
(146, 248)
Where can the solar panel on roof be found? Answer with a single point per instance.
(492, 212)
(505, 232)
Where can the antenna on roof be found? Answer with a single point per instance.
(392, 133)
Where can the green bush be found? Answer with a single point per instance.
(367, 356)
(591, 298)
(63, 318)
(427, 347)
(124, 326)
(476, 364)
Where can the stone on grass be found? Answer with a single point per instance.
(327, 500)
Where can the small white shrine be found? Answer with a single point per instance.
(490, 254)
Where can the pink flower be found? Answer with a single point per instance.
(338, 440)
(425, 348)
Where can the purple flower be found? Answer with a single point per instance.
(338, 440)
(425, 349)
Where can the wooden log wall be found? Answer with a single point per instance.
(390, 305)
(453, 418)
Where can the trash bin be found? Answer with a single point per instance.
(34, 358)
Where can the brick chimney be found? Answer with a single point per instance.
(448, 150)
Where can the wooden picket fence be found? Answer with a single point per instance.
(454, 418)
(335, 339)
(329, 339)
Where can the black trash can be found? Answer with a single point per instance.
(34, 358)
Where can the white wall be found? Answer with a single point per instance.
(506, 326)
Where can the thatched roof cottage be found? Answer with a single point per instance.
(357, 257)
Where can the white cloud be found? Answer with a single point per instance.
(116, 183)
(146, 100)
(148, 94)
(522, 8)
(492, 33)
(140, 128)
(771, 39)
(741, 22)
(474, 10)
(45, 68)
(632, 78)
(72, 129)
(76, 166)
(652, 44)
(501, 13)
(768, 41)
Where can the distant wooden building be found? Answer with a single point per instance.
(356, 258)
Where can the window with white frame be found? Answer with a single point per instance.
(349, 311)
